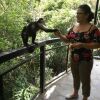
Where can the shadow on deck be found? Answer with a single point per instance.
(63, 86)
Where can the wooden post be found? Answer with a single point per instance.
(42, 68)
(1, 88)
(96, 10)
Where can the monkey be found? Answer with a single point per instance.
(31, 30)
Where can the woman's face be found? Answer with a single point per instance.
(81, 16)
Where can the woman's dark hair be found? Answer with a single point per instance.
(87, 10)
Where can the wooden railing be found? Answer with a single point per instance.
(6, 56)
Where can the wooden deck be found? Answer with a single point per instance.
(60, 89)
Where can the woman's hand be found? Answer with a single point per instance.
(76, 45)
(61, 36)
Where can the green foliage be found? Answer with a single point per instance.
(96, 52)
(56, 13)
(56, 58)
(21, 82)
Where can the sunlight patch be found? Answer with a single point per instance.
(49, 92)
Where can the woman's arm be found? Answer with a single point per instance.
(62, 37)
(92, 45)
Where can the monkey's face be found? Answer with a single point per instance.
(42, 22)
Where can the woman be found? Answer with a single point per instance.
(84, 37)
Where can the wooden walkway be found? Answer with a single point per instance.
(60, 89)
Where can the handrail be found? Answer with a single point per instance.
(6, 56)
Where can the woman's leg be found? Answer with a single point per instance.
(85, 68)
(76, 77)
